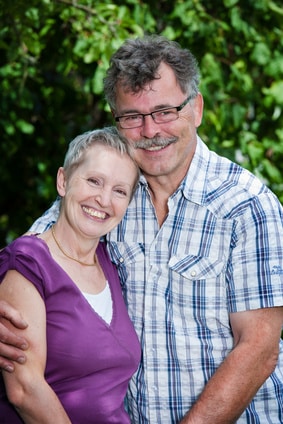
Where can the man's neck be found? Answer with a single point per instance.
(161, 189)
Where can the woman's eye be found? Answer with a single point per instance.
(93, 181)
(121, 192)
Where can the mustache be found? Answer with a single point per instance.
(154, 142)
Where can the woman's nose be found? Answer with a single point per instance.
(104, 197)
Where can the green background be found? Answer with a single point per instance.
(53, 57)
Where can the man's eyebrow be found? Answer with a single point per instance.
(137, 112)
(129, 112)
(163, 106)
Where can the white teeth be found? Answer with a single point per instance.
(97, 214)
(153, 148)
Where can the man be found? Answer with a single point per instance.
(199, 253)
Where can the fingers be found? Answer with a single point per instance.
(11, 345)
(13, 354)
(12, 315)
(8, 352)
(11, 349)
(7, 337)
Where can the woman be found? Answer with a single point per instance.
(82, 346)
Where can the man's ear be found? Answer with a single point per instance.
(61, 182)
(198, 109)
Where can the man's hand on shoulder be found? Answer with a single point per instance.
(11, 345)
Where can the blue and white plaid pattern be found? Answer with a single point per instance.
(220, 250)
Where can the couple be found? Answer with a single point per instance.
(195, 254)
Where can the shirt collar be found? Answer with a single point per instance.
(194, 184)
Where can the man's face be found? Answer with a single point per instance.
(161, 150)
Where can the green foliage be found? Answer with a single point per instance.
(54, 55)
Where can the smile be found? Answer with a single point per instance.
(155, 148)
(91, 212)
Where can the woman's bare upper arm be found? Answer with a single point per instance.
(22, 295)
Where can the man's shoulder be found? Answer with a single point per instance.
(229, 186)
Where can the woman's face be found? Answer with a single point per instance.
(97, 193)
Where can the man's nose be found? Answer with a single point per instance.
(149, 128)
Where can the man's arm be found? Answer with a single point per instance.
(252, 360)
(11, 345)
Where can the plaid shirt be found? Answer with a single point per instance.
(219, 251)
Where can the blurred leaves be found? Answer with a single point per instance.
(54, 54)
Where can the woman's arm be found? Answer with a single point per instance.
(26, 387)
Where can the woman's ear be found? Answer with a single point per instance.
(61, 182)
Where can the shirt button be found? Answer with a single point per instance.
(121, 260)
(193, 273)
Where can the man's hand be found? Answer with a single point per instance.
(254, 356)
(11, 345)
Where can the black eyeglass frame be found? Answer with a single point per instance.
(152, 114)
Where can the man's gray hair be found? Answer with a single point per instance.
(135, 65)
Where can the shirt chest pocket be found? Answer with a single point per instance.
(126, 253)
(199, 295)
(129, 260)
(194, 267)
(199, 289)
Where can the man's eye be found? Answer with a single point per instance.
(165, 112)
(132, 118)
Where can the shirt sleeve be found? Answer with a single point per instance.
(47, 219)
(255, 270)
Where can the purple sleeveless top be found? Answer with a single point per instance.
(89, 362)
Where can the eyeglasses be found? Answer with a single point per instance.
(160, 116)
